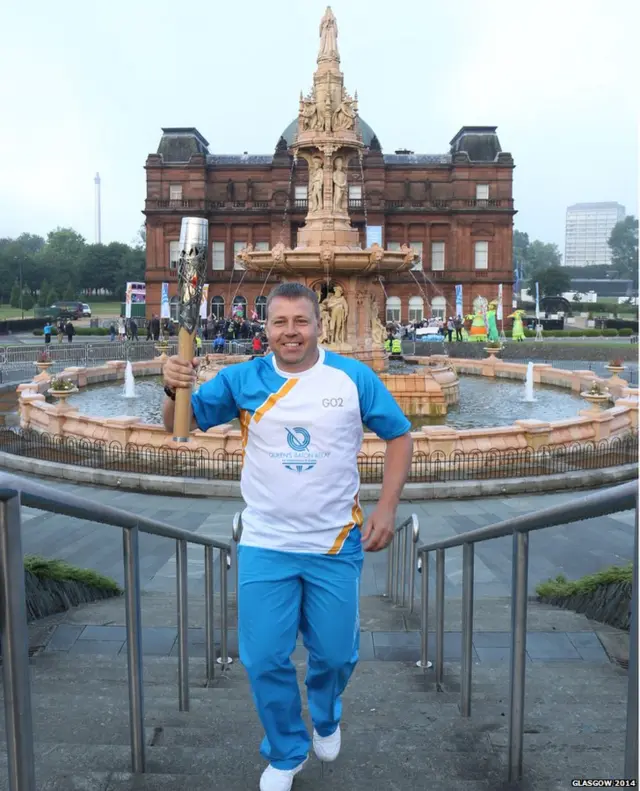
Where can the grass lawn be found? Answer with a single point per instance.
(7, 312)
(105, 309)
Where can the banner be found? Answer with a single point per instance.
(499, 313)
(516, 290)
(136, 292)
(537, 300)
(459, 300)
(165, 312)
(205, 301)
(374, 235)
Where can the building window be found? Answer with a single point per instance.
(262, 246)
(355, 196)
(217, 255)
(416, 308)
(482, 192)
(261, 308)
(174, 308)
(300, 196)
(417, 246)
(237, 247)
(174, 254)
(239, 306)
(481, 255)
(438, 307)
(393, 309)
(437, 256)
(175, 191)
(393, 245)
(217, 308)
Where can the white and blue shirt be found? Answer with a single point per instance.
(301, 435)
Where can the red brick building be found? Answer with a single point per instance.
(456, 208)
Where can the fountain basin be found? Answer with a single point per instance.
(328, 258)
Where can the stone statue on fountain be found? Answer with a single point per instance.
(339, 186)
(316, 185)
(328, 37)
(339, 309)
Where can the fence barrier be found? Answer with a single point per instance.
(436, 467)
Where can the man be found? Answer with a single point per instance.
(70, 330)
(47, 332)
(301, 410)
(458, 326)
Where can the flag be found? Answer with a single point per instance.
(165, 312)
(537, 300)
(499, 313)
(204, 302)
(127, 301)
(459, 300)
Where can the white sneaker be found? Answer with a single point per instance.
(327, 748)
(279, 779)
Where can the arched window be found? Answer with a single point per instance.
(416, 308)
(217, 307)
(393, 308)
(261, 308)
(239, 306)
(438, 307)
(174, 308)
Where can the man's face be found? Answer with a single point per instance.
(292, 331)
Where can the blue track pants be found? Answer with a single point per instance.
(281, 594)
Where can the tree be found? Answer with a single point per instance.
(624, 249)
(541, 255)
(15, 295)
(27, 301)
(520, 248)
(69, 292)
(553, 281)
(44, 297)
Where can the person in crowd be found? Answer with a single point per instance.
(450, 328)
(112, 332)
(133, 330)
(198, 341)
(70, 331)
(218, 344)
(458, 326)
(155, 327)
(122, 330)
(61, 330)
(301, 549)
(46, 331)
(256, 344)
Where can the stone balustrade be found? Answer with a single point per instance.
(587, 426)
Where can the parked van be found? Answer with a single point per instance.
(65, 309)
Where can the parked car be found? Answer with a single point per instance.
(86, 309)
(66, 310)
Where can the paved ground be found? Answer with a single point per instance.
(574, 550)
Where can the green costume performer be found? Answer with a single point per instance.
(517, 331)
(494, 335)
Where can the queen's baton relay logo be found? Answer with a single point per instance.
(299, 458)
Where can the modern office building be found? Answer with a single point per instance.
(587, 232)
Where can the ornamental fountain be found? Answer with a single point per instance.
(329, 257)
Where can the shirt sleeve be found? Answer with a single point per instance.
(214, 403)
(379, 409)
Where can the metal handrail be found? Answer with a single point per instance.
(619, 498)
(16, 491)
(398, 560)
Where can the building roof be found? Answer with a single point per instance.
(602, 287)
(602, 205)
(417, 159)
(240, 159)
(179, 143)
(480, 143)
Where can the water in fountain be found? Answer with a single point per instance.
(528, 384)
(129, 382)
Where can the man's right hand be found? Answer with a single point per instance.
(179, 373)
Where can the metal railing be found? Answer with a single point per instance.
(401, 559)
(15, 492)
(619, 498)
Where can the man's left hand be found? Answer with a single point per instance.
(379, 529)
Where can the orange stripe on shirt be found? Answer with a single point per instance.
(357, 517)
(274, 398)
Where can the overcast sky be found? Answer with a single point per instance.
(87, 87)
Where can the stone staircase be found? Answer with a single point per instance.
(400, 733)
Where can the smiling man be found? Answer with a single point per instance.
(301, 410)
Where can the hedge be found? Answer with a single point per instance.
(590, 333)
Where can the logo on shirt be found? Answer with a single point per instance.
(299, 458)
(298, 438)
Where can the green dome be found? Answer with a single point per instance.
(365, 130)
